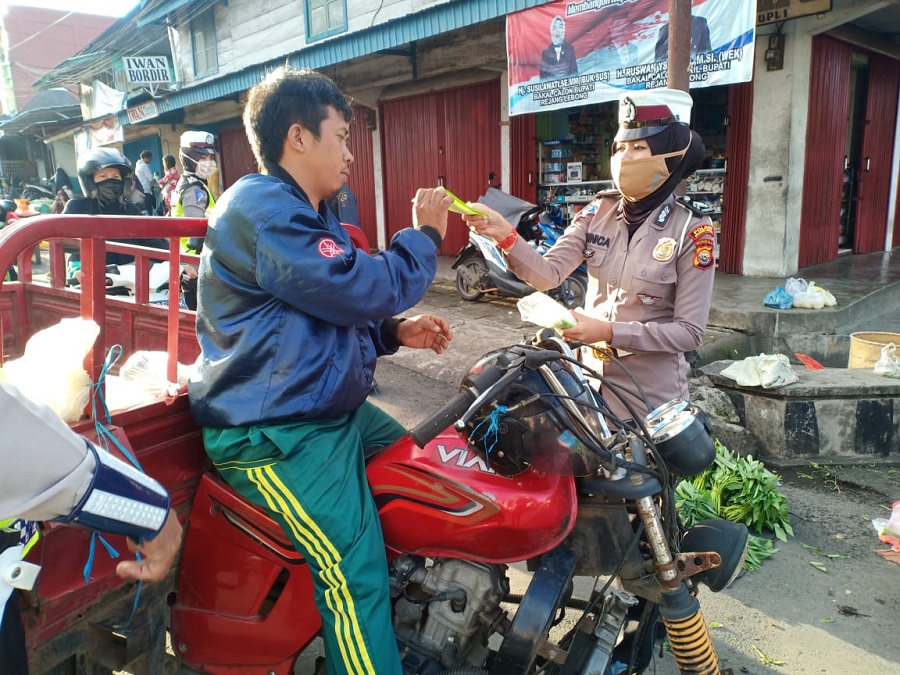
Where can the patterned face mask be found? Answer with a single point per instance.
(110, 191)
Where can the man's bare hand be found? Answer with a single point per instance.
(157, 555)
(425, 331)
(430, 208)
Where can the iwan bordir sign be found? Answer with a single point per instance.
(146, 69)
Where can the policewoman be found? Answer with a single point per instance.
(649, 256)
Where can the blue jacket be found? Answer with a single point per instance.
(290, 317)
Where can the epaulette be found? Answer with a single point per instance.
(690, 207)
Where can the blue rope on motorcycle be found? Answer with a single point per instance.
(490, 435)
(104, 436)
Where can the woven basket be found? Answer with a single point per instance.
(865, 348)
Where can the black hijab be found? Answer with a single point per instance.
(673, 138)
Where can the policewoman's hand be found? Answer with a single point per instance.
(588, 330)
(492, 225)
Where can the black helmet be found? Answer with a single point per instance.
(100, 158)
(541, 420)
(7, 206)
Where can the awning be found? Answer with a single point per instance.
(152, 14)
(47, 113)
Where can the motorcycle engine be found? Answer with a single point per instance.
(445, 610)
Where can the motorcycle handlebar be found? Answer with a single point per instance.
(431, 426)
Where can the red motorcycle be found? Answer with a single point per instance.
(525, 464)
(522, 465)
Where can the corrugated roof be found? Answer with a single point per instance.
(427, 23)
(123, 38)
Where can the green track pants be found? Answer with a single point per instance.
(310, 476)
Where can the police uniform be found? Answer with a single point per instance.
(649, 257)
(192, 198)
(655, 290)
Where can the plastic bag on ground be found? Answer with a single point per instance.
(889, 529)
(794, 286)
(779, 299)
(828, 297)
(51, 370)
(768, 371)
(542, 310)
(809, 300)
(888, 364)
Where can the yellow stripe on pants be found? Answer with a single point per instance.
(327, 558)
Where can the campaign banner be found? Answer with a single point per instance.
(564, 53)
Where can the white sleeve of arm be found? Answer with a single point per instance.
(46, 467)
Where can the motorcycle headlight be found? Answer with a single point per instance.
(724, 537)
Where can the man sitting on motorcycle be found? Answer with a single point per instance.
(290, 319)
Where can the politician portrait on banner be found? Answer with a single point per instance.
(600, 49)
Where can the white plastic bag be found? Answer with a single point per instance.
(775, 371)
(768, 371)
(809, 300)
(542, 310)
(827, 297)
(51, 370)
(888, 364)
(148, 370)
(743, 372)
(794, 286)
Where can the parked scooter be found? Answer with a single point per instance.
(525, 464)
(481, 268)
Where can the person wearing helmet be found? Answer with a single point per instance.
(103, 174)
(192, 197)
(649, 256)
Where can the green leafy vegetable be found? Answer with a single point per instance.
(740, 489)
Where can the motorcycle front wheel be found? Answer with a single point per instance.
(469, 277)
(570, 293)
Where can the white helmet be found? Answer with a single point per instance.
(193, 146)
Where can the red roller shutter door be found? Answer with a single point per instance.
(734, 206)
(876, 159)
(829, 105)
(362, 173)
(449, 137)
(523, 156)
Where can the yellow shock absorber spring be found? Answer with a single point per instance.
(689, 639)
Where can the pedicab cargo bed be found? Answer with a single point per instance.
(62, 614)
